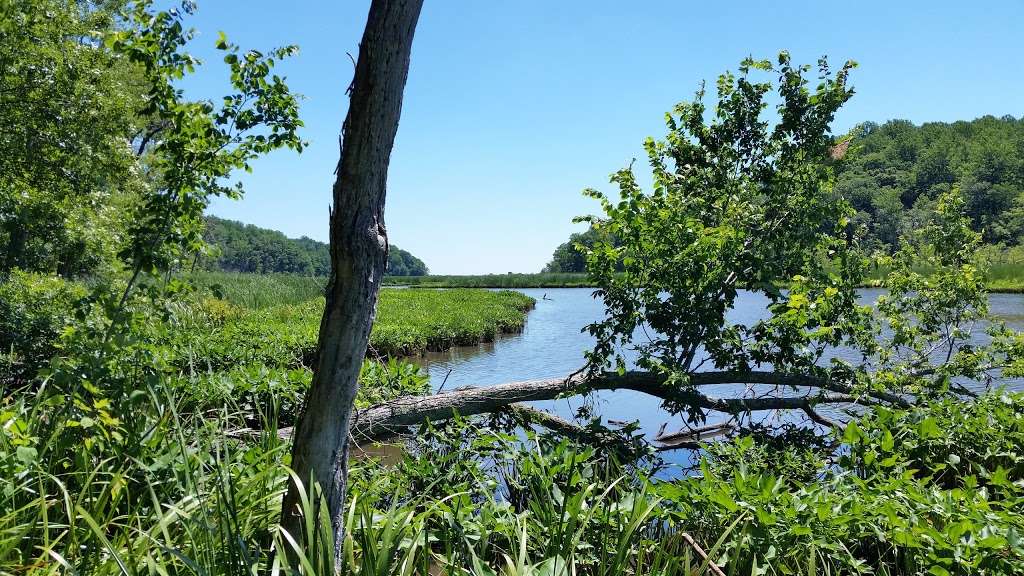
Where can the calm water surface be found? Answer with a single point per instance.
(552, 345)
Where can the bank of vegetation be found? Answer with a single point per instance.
(1003, 272)
(510, 280)
(892, 174)
(236, 247)
(152, 416)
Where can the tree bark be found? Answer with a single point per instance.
(389, 418)
(358, 257)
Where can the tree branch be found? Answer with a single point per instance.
(389, 418)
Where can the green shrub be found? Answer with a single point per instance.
(896, 504)
(34, 310)
(796, 453)
(950, 442)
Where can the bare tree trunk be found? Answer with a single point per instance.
(359, 247)
(388, 418)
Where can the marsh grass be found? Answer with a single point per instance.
(1005, 274)
(219, 336)
(203, 498)
(257, 291)
(510, 280)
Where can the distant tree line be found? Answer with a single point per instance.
(239, 247)
(568, 257)
(893, 174)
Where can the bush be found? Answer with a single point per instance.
(950, 442)
(897, 503)
(34, 310)
(796, 453)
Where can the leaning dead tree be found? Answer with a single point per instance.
(359, 245)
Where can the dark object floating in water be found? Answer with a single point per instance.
(690, 437)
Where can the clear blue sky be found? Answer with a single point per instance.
(512, 108)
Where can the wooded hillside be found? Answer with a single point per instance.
(246, 248)
(893, 174)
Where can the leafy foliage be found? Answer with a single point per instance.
(739, 202)
(196, 145)
(67, 107)
(736, 202)
(140, 416)
(894, 173)
(34, 311)
(572, 255)
(904, 498)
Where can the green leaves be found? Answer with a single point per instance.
(67, 110)
(197, 145)
(737, 202)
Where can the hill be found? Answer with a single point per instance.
(247, 248)
(893, 173)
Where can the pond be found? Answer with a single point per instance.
(552, 345)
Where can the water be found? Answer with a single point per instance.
(552, 346)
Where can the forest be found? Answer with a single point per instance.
(168, 406)
(893, 174)
(236, 247)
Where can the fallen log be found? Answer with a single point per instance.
(691, 437)
(392, 417)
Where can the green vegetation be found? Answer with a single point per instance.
(894, 173)
(898, 495)
(571, 256)
(162, 461)
(145, 412)
(237, 247)
(1004, 272)
(218, 328)
(510, 280)
(58, 140)
(259, 290)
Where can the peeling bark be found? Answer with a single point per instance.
(359, 247)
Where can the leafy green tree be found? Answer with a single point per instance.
(736, 202)
(237, 247)
(68, 108)
(196, 145)
(402, 263)
(743, 203)
(740, 202)
(571, 256)
(896, 171)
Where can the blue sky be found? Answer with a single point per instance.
(513, 108)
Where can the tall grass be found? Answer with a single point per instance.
(414, 321)
(260, 290)
(203, 497)
(408, 323)
(1003, 267)
(542, 280)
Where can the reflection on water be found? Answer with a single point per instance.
(552, 345)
